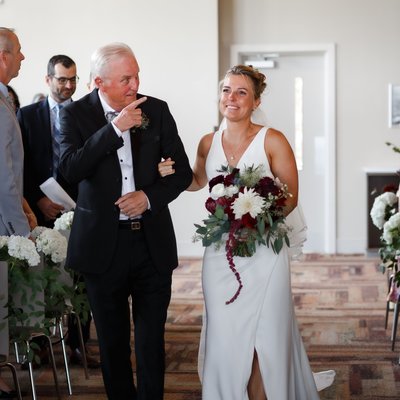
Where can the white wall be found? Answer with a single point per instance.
(176, 43)
(367, 35)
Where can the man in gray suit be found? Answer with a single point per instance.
(12, 217)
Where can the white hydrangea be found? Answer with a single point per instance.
(379, 207)
(64, 222)
(248, 202)
(23, 248)
(3, 241)
(52, 243)
(391, 227)
(37, 231)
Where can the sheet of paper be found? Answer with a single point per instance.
(52, 189)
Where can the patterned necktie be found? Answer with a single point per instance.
(110, 115)
(56, 141)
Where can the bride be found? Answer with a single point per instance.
(250, 348)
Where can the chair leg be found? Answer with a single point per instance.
(390, 280)
(53, 365)
(15, 379)
(13, 370)
(387, 313)
(30, 369)
(395, 321)
(67, 375)
(82, 345)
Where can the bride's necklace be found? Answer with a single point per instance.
(232, 155)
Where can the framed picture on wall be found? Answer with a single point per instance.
(394, 106)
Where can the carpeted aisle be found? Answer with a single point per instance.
(340, 305)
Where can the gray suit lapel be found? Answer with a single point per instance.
(8, 104)
(4, 100)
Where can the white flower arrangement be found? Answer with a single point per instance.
(64, 222)
(383, 205)
(19, 248)
(44, 286)
(391, 229)
(52, 243)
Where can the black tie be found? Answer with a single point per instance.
(56, 133)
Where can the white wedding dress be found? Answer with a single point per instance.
(261, 319)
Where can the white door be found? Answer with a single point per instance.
(295, 103)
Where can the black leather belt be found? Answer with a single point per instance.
(132, 225)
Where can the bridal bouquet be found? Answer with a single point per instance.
(246, 210)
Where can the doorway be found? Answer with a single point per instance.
(300, 102)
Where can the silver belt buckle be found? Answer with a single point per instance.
(135, 225)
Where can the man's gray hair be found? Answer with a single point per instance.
(5, 38)
(103, 55)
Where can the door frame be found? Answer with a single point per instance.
(328, 51)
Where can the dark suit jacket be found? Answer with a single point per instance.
(35, 126)
(89, 158)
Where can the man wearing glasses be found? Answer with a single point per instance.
(40, 132)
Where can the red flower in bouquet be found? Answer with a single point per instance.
(246, 210)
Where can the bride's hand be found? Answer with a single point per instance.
(166, 167)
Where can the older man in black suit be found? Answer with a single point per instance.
(122, 238)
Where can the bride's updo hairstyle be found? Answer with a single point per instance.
(256, 77)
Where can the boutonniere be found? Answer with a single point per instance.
(145, 123)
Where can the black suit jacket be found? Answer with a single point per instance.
(89, 158)
(35, 124)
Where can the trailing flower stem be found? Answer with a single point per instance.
(229, 257)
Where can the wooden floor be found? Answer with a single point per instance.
(340, 305)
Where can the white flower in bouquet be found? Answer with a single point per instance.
(23, 248)
(64, 222)
(231, 190)
(53, 244)
(217, 191)
(379, 208)
(391, 228)
(248, 202)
